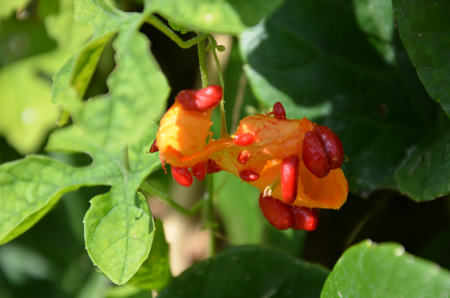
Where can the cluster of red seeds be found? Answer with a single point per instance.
(322, 151)
(283, 216)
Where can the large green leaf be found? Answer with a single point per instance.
(299, 56)
(385, 270)
(249, 272)
(226, 16)
(425, 31)
(115, 129)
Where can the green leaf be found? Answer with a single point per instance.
(68, 34)
(385, 270)
(155, 271)
(27, 114)
(425, 31)
(116, 130)
(425, 173)
(29, 188)
(299, 57)
(241, 215)
(249, 272)
(9, 6)
(228, 17)
(375, 19)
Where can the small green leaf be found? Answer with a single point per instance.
(208, 16)
(425, 173)
(425, 31)
(154, 273)
(118, 235)
(249, 272)
(385, 270)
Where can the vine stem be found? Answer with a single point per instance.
(208, 206)
(223, 118)
(203, 64)
(161, 26)
(208, 215)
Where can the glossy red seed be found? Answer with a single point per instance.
(314, 155)
(243, 157)
(244, 139)
(154, 148)
(278, 111)
(187, 99)
(305, 218)
(208, 98)
(182, 176)
(199, 170)
(289, 178)
(333, 146)
(212, 167)
(248, 175)
(276, 212)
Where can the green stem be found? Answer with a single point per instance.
(150, 189)
(223, 118)
(208, 215)
(202, 63)
(158, 24)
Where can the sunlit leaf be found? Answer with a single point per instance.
(27, 113)
(154, 273)
(385, 270)
(230, 17)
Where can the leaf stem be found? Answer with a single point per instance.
(158, 24)
(151, 189)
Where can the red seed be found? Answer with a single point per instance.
(208, 98)
(276, 212)
(199, 170)
(244, 139)
(333, 146)
(212, 167)
(289, 178)
(305, 218)
(243, 157)
(154, 148)
(278, 111)
(182, 176)
(314, 155)
(248, 175)
(187, 99)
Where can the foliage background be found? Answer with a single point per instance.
(382, 85)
